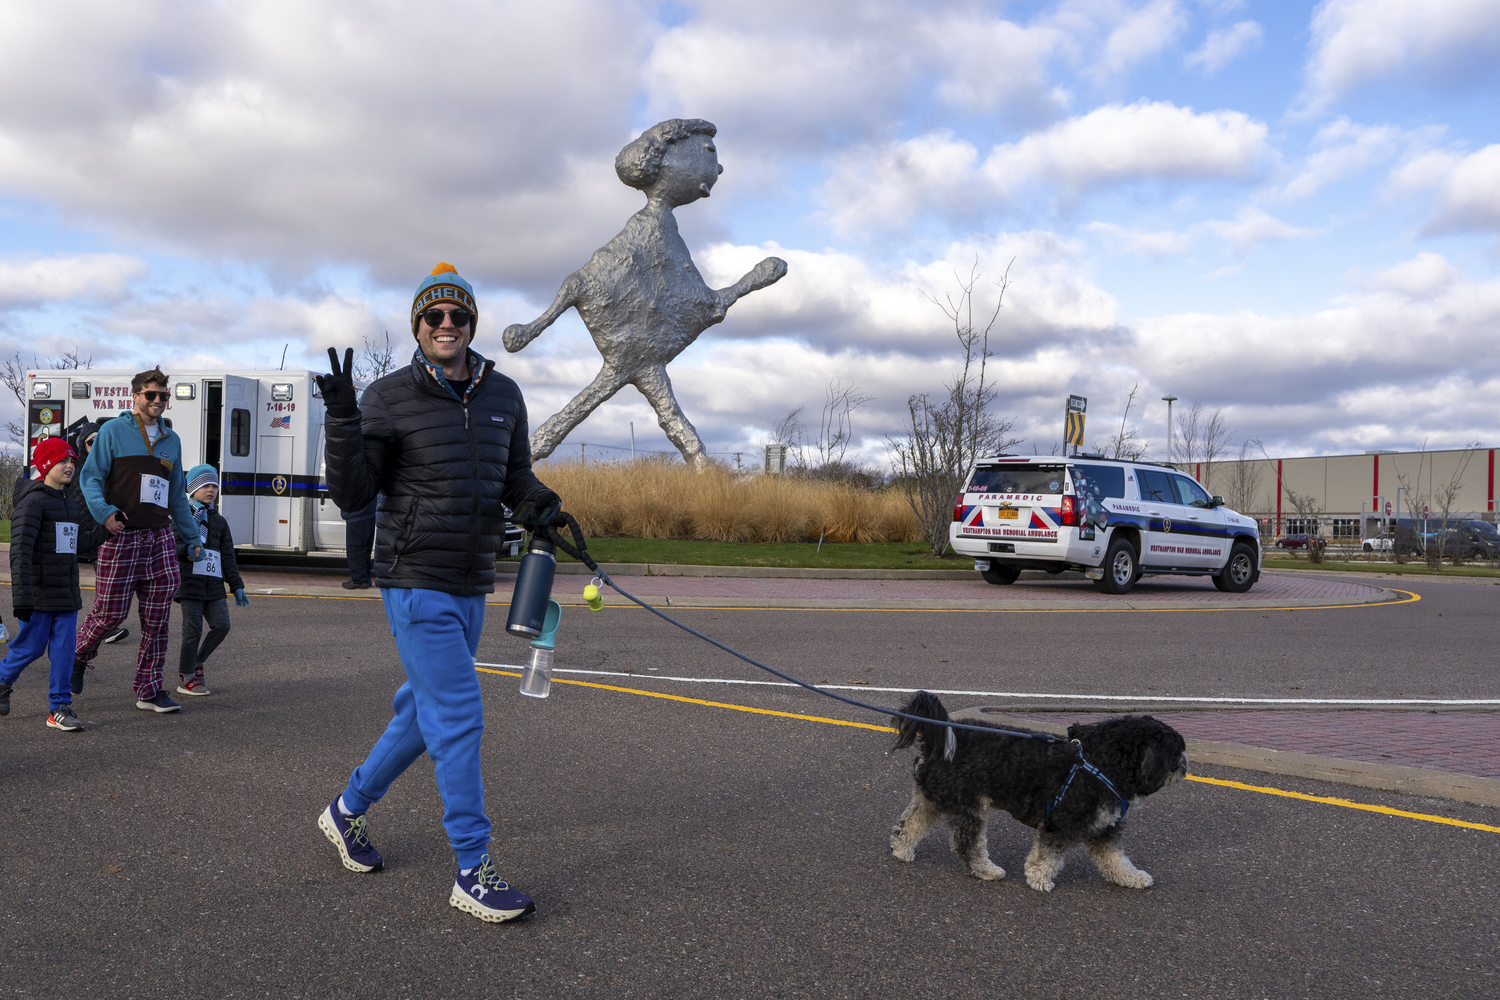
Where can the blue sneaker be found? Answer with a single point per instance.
(159, 702)
(483, 894)
(347, 833)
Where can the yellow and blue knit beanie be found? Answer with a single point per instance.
(444, 285)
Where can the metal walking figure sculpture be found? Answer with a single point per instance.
(640, 295)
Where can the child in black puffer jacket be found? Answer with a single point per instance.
(202, 592)
(44, 544)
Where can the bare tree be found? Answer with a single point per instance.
(1213, 442)
(13, 377)
(1444, 498)
(1311, 514)
(836, 425)
(1244, 483)
(1125, 445)
(948, 431)
(1186, 449)
(790, 432)
(377, 359)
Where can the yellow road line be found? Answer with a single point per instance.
(699, 701)
(1345, 803)
(1322, 799)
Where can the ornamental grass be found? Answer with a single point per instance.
(657, 498)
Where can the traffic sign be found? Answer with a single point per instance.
(1073, 429)
(1078, 404)
(1387, 508)
(1424, 511)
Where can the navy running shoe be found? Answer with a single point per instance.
(159, 702)
(347, 833)
(116, 636)
(78, 668)
(485, 895)
(5, 690)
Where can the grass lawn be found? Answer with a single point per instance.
(1413, 568)
(870, 555)
(5, 530)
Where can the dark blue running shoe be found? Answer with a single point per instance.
(347, 833)
(485, 895)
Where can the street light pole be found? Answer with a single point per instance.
(1169, 400)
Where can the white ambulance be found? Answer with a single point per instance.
(1114, 520)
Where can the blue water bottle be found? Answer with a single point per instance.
(528, 601)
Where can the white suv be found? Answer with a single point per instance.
(1114, 520)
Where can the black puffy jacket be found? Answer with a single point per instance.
(198, 587)
(443, 471)
(41, 577)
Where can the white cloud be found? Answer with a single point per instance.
(1356, 42)
(1156, 243)
(302, 132)
(1139, 35)
(1251, 226)
(1145, 140)
(1224, 45)
(1466, 188)
(1342, 148)
(31, 281)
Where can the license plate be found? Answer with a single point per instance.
(1007, 513)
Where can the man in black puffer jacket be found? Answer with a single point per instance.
(443, 443)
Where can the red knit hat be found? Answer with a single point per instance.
(49, 453)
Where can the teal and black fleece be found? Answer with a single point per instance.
(111, 478)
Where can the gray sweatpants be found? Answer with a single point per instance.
(193, 614)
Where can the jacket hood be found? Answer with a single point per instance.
(25, 486)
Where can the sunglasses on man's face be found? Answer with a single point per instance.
(434, 317)
(152, 396)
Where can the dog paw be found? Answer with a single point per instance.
(990, 873)
(909, 854)
(1040, 885)
(1135, 880)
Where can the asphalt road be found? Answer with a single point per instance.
(682, 850)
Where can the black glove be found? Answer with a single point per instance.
(23, 614)
(542, 510)
(340, 398)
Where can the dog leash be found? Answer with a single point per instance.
(581, 553)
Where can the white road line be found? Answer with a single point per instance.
(1476, 702)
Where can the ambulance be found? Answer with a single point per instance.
(263, 431)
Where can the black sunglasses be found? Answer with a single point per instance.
(434, 317)
(152, 396)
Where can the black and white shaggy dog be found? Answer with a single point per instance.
(961, 775)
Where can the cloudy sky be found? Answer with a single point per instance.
(1287, 211)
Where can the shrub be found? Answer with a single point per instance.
(662, 498)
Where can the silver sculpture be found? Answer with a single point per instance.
(640, 295)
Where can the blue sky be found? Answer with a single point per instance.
(1285, 211)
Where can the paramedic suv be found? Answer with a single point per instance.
(1113, 520)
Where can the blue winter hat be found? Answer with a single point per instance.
(200, 476)
(444, 285)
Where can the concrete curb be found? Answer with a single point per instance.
(1386, 777)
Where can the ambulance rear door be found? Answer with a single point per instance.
(237, 459)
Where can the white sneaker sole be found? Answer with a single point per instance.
(66, 729)
(460, 899)
(201, 692)
(325, 823)
(151, 706)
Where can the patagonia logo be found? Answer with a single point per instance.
(498, 420)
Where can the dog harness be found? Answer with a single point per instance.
(1091, 769)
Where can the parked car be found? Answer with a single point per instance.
(1292, 542)
(1116, 521)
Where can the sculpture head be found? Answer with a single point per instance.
(674, 162)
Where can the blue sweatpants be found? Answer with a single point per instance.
(438, 710)
(50, 632)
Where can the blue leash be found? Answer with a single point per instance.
(581, 553)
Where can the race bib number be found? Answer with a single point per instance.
(208, 565)
(154, 490)
(67, 537)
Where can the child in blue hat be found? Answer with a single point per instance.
(201, 595)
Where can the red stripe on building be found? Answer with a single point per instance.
(1278, 498)
(1375, 492)
(1492, 479)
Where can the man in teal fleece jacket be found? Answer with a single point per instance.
(133, 485)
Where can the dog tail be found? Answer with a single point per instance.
(931, 739)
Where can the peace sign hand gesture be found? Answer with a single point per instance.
(340, 398)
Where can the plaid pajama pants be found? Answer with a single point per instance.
(142, 564)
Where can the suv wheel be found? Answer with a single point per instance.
(1121, 568)
(999, 573)
(1239, 573)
